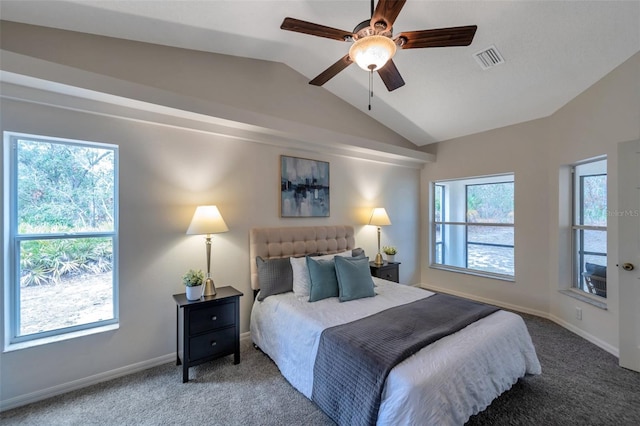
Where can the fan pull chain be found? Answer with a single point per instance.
(370, 87)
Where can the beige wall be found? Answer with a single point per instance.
(164, 173)
(593, 124)
(538, 153)
(173, 159)
(519, 150)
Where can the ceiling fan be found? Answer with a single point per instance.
(373, 43)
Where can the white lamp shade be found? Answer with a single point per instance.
(207, 220)
(372, 53)
(379, 217)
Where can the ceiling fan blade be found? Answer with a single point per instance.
(387, 11)
(330, 72)
(391, 76)
(441, 37)
(304, 27)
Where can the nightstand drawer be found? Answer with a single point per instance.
(211, 318)
(390, 274)
(387, 271)
(217, 342)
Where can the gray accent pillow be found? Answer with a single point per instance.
(324, 283)
(275, 276)
(358, 252)
(354, 278)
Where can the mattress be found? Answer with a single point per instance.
(444, 383)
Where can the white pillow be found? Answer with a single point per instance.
(301, 279)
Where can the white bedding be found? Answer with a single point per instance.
(444, 383)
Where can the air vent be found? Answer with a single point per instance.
(488, 58)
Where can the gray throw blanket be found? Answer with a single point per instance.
(354, 359)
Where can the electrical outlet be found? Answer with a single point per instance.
(578, 313)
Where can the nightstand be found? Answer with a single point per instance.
(210, 328)
(387, 271)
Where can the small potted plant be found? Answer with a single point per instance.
(193, 281)
(391, 252)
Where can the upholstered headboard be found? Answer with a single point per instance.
(270, 243)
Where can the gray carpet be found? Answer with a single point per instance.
(580, 385)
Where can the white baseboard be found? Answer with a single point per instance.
(601, 344)
(29, 398)
(591, 338)
(39, 395)
(486, 300)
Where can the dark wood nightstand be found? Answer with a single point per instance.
(387, 271)
(210, 328)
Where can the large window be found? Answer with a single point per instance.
(62, 253)
(473, 225)
(590, 227)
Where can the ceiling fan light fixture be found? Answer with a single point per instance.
(372, 53)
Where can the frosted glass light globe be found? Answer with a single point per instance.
(372, 53)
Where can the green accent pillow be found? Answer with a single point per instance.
(324, 283)
(354, 278)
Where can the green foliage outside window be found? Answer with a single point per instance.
(594, 203)
(64, 189)
(47, 261)
(490, 202)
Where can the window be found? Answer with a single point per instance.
(62, 236)
(590, 227)
(473, 226)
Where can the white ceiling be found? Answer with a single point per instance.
(553, 50)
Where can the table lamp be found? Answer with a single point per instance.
(379, 218)
(207, 220)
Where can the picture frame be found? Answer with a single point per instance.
(304, 187)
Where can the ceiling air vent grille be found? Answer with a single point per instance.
(488, 58)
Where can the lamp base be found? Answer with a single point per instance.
(377, 261)
(209, 288)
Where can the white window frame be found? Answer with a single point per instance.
(577, 252)
(460, 200)
(12, 239)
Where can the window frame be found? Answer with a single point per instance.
(438, 246)
(13, 239)
(577, 244)
(466, 181)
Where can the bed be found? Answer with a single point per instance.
(443, 383)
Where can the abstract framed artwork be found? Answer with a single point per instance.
(304, 187)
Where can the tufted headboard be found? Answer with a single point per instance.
(297, 241)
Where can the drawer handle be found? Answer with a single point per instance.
(214, 343)
(213, 318)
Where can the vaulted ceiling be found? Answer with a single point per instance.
(552, 50)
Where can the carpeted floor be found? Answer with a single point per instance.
(580, 385)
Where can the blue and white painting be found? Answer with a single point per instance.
(304, 187)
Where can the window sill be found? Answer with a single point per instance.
(583, 297)
(59, 338)
(473, 272)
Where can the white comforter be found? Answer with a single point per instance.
(443, 384)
